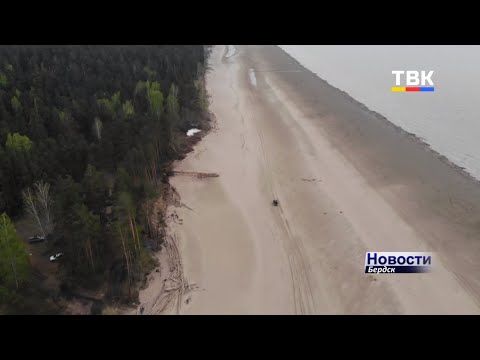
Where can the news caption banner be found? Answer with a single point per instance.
(398, 262)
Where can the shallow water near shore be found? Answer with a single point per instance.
(446, 119)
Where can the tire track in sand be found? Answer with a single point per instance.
(302, 292)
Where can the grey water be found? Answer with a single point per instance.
(447, 119)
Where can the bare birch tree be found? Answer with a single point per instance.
(38, 204)
(43, 198)
(31, 205)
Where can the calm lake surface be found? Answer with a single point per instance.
(447, 119)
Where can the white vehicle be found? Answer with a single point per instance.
(55, 257)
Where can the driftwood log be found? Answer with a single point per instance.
(199, 175)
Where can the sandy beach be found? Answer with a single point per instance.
(347, 181)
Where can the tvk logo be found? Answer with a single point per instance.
(414, 81)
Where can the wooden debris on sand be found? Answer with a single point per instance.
(199, 175)
(175, 199)
(176, 285)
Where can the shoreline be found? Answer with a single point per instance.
(381, 117)
(348, 181)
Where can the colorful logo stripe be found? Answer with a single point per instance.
(413, 89)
